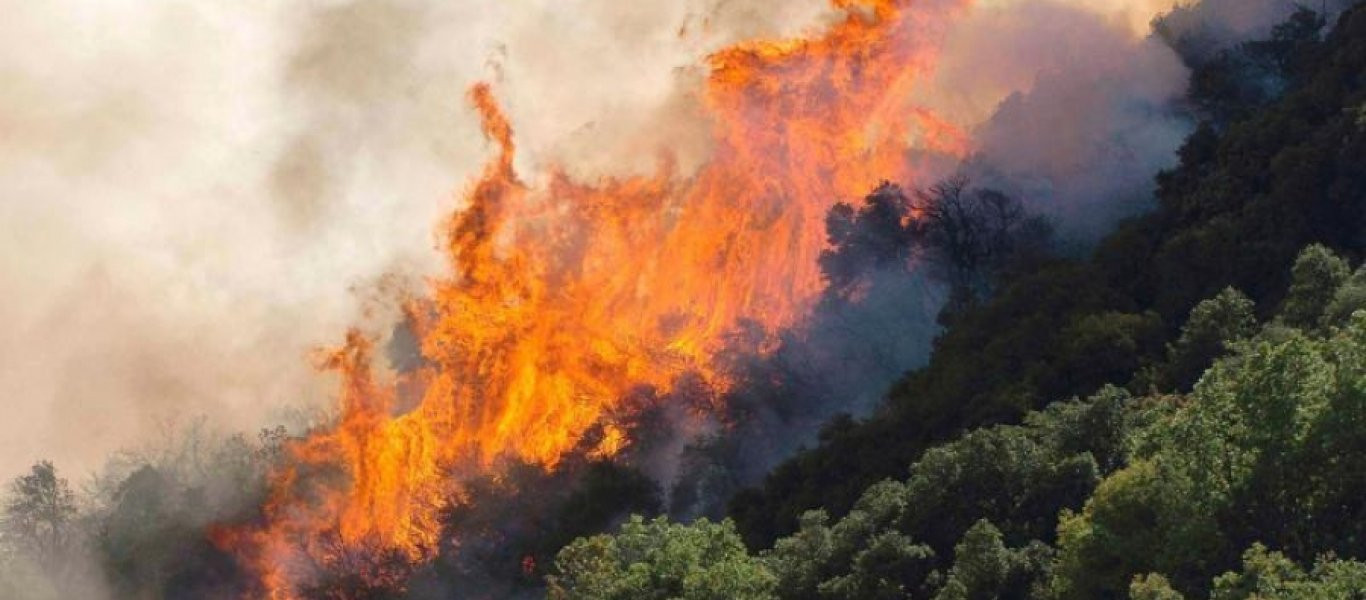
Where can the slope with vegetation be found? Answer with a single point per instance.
(1180, 414)
(1246, 196)
(1222, 492)
(1216, 356)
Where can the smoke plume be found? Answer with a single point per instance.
(195, 195)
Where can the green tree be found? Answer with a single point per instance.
(890, 566)
(1109, 346)
(1349, 298)
(857, 554)
(1153, 586)
(1315, 279)
(985, 569)
(1268, 447)
(1213, 325)
(1268, 575)
(1018, 477)
(897, 539)
(658, 560)
(1141, 519)
(799, 560)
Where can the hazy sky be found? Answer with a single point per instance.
(194, 193)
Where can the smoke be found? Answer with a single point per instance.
(1203, 28)
(192, 188)
(1071, 105)
(196, 194)
(1105, 110)
(1073, 108)
(1103, 115)
(141, 279)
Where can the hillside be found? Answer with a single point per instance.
(1246, 197)
(860, 346)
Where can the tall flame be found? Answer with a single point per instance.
(564, 298)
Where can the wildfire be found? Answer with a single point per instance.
(562, 299)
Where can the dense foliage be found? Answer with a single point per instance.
(1180, 413)
(1219, 348)
(1245, 198)
(1158, 496)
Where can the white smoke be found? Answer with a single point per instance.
(194, 194)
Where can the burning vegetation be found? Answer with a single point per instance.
(564, 300)
(655, 344)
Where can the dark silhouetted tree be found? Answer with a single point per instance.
(38, 514)
(963, 236)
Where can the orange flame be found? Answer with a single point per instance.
(564, 298)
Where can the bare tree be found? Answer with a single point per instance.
(968, 235)
(963, 236)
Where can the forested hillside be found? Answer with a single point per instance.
(1246, 197)
(1171, 408)
(1248, 486)
(1177, 414)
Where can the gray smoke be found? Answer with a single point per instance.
(1094, 114)
(1073, 108)
(191, 189)
(195, 194)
